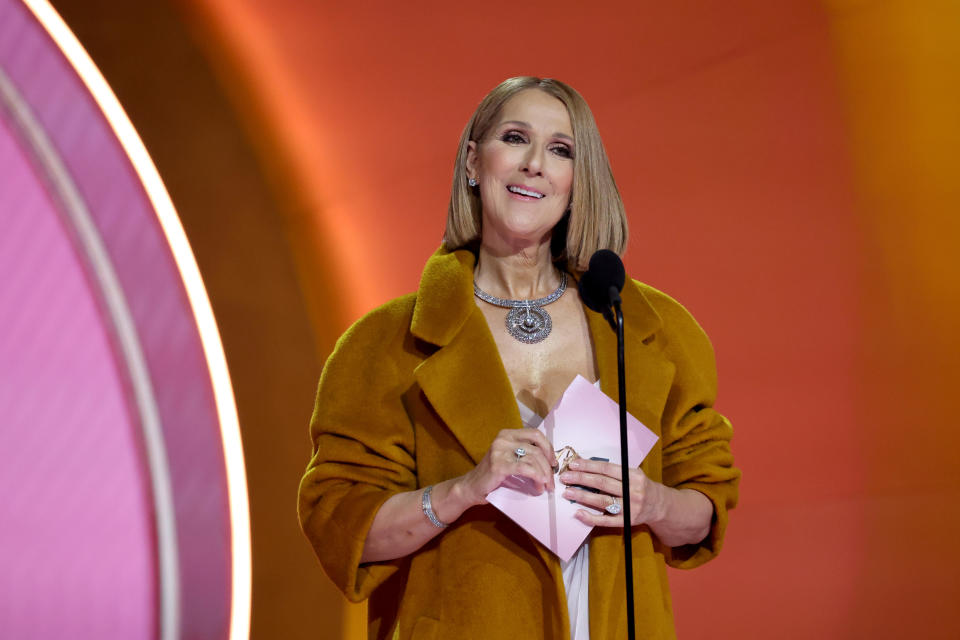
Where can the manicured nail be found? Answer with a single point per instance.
(568, 493)
(566, 477)
(574, 464)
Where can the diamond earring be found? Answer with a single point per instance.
(472, 182)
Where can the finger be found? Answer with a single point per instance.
(599, 520)
(531, 464)
(521, 476)
(599, 501)
(532, 440)
(536, 438)
(597, 466)
(543, 468)
(602, 483)
(525, 437)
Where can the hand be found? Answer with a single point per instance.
(646, 496)
(501, 462)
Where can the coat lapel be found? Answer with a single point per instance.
(648, 373)
(464, 380)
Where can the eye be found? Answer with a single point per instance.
(562, 150)
(513, 137)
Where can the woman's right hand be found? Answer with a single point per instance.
(501, 462)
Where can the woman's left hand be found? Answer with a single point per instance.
(676, 516)
(646, 496)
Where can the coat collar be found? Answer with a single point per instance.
(648, 372)
(445, 297)
(445, 300)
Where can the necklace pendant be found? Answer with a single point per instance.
(529, 324)
(527, 321)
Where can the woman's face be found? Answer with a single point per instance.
(525, 169)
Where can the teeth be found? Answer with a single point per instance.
(524, 192)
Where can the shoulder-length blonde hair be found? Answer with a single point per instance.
(596, 219)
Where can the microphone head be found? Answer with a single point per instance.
(605, 271)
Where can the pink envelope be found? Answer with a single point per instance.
(587, 420)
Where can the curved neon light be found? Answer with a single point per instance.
(241, 570)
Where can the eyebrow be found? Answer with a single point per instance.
(526, 125)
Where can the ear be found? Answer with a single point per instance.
(473, 159)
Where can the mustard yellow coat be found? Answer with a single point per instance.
(415, 392)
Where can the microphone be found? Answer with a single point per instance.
(600, 286)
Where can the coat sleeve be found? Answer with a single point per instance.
(363, 450)
(696, 438)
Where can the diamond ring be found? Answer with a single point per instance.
(614, 507)
(520, 451)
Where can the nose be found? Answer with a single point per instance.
(533, 161)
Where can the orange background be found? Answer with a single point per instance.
(790, 174)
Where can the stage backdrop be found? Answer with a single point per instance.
(789, 173)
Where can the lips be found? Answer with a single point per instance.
(525, 191)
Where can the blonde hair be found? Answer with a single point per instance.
(596, 219)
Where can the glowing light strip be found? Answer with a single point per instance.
(241, 571)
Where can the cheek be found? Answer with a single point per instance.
(500, 163)
(560, 174)
(564, 181)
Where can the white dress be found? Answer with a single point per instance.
(576, 571)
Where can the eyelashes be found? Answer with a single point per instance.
(514, 137)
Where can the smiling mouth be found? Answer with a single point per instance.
(525, 192)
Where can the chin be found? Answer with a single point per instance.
(522, 229)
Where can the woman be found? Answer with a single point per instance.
(418, 412)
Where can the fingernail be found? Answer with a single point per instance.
(574, 464)
(568, 493)
(566, 477)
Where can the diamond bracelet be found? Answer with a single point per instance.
(428, 509)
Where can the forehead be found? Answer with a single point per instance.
(538, 109)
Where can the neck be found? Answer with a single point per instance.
(516, 273)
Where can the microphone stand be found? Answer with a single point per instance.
(624, 466)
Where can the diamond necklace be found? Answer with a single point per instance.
(527, 321)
